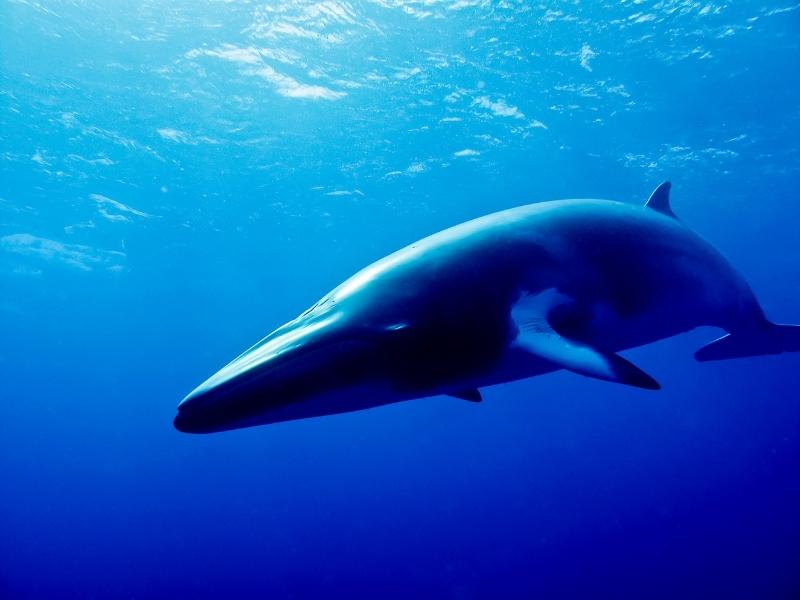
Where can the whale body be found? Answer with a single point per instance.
(555, 285)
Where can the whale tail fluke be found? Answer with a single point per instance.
(769, 339)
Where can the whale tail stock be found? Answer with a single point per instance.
(769, 338)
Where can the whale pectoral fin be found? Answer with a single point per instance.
(584, 360)
(473, 395)
(536, 335)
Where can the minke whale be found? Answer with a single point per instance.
(565, 284)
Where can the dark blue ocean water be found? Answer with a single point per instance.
(178, 178)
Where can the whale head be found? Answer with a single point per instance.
(305, 368)
(394, 331)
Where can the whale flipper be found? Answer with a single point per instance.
(769, 339)
(536, 336)
(585, 360)
(659, 200)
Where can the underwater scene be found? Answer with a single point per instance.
(209, 388)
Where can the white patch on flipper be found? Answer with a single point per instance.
(530, 310)
(536, 336)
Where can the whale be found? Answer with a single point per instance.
(556, 285)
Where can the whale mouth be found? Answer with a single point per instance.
(205, 421)
(186, 422)
(219, 406)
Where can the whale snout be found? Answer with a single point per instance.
(208, 408)
(191, 418)
(245, 385)
(278, 379)
(186, 423)
(181, 423)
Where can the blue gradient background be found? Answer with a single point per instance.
(178, 178)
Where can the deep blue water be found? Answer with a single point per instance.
(178, 178)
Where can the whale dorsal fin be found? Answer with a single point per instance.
(659, 200)
(537, 337)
